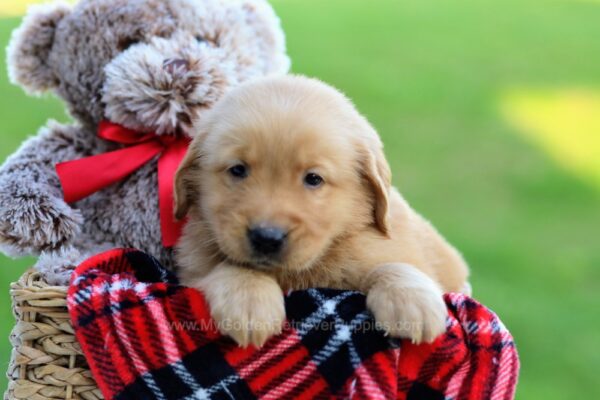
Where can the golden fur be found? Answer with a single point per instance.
(353, 232)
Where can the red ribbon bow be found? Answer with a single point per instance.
(83, 177)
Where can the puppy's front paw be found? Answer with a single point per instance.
(412, 309)
(250, 311)
(250, 319)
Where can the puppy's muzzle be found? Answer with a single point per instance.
(267, 241)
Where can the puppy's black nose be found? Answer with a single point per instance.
(173, 65)
(267, 241)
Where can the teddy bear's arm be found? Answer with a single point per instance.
(33, 214)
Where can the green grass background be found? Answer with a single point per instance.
(429, 75)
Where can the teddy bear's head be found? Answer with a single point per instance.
(150, 65)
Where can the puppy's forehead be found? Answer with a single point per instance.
(285, 123)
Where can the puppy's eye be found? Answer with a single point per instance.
(313, 181)
(200, 39)
(239, 171)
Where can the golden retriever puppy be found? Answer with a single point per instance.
(286, 187)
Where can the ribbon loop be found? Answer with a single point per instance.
(86, 176)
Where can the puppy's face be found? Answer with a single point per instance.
(281, 169)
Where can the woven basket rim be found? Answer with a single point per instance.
(46, 360)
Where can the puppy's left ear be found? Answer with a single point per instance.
(186, 183)
(376, 170)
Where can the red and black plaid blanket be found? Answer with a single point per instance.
(146, 337)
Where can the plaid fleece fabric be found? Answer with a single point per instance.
(146, 337)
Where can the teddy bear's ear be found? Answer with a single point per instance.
(262, 18)
(30, 47)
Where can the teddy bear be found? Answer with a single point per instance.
(142, 70)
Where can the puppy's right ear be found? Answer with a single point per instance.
(376, 170)
(186, 187)
(30, 47)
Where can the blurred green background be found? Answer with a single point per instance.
(490, 112)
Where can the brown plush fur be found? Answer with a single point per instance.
(353, 232)
(107, 60)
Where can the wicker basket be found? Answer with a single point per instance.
(46, 361)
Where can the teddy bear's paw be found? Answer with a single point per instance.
(29, 225)
(250, 310)
(408, 308)
(57, 266)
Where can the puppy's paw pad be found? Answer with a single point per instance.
(417, 314)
